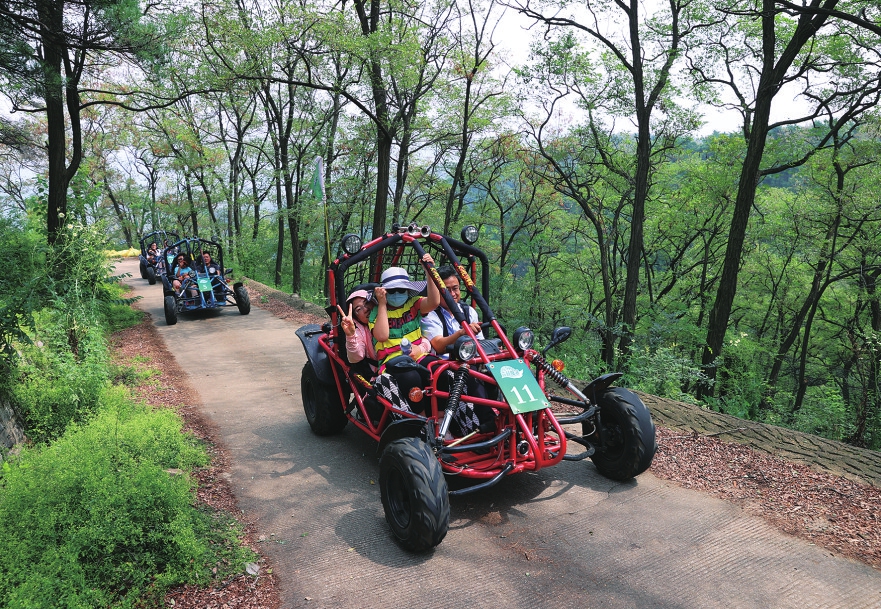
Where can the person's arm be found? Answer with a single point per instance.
(380, 325)
(433, 299)
(354, 347)
(441, 342)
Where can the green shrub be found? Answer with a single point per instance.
(53, 385)
(104, 515)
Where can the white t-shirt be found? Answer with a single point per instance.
(432, 324)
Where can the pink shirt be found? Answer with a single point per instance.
(360, 344)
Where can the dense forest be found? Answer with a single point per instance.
(737, 270)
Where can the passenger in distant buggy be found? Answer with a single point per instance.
(181, 271)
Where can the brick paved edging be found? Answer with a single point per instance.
(837, 457)
(842, 459)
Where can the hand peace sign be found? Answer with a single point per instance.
(347, 322)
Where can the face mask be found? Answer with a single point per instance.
(396, 300)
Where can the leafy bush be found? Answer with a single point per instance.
(665, 372)
(104, 515)
(52, 385)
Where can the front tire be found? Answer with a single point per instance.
(143, 269)
(322, 405)
(151, 275)
(170, 310)
(414, 494)
(243, 300)
(628, 435)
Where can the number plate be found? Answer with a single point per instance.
(519, 386)
(204, 284)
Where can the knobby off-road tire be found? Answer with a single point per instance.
(170, 310)
(143, 268)
(322, 405)
(414, 494)
(151, 275)
(243, 300)
(629, 435)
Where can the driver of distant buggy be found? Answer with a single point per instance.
(207, 265)
(153, 253)
(181, 271)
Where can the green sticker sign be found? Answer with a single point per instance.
(204, 284)
(519, 386)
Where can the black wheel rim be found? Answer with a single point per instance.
(398, 499)
(613, 438)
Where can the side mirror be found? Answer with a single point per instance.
(558, 336)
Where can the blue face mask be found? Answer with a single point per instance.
(397, 300)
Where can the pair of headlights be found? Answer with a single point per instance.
(465, 347)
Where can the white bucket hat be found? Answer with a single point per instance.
(397, 277)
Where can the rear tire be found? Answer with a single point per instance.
(151, 275)
(243, 300)
(414, 494)
(628, 433)
(322, 405)
(170, 310)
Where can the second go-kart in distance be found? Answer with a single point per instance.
(153, 262)
(196, 280)
(481, 410)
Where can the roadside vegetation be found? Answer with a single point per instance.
(99, 508)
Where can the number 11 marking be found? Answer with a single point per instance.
(526, 389)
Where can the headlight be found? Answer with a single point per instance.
(352, 243)
(465, 348)
(470, 234)
(523, 338)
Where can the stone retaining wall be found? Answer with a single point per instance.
(836, 457)
(292, 300)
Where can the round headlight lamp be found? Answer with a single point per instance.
(470, 234)
(352, 243)
(524, 338)
(465, 348)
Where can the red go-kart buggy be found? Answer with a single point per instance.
(416, 451)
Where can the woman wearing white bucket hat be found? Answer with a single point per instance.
(398, 315)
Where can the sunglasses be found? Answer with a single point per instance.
(398, 291)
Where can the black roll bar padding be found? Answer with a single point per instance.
(473, 251)
(491, 482)
(339, 267)
(475, 294)
(478, 446)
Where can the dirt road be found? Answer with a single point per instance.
(559, 538)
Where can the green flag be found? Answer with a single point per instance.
(318, 180)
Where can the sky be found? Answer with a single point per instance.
(513, 36)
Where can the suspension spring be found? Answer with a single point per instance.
(557, 376)
(458, 385)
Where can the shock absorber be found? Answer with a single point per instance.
(557, 376)
(453, 402)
